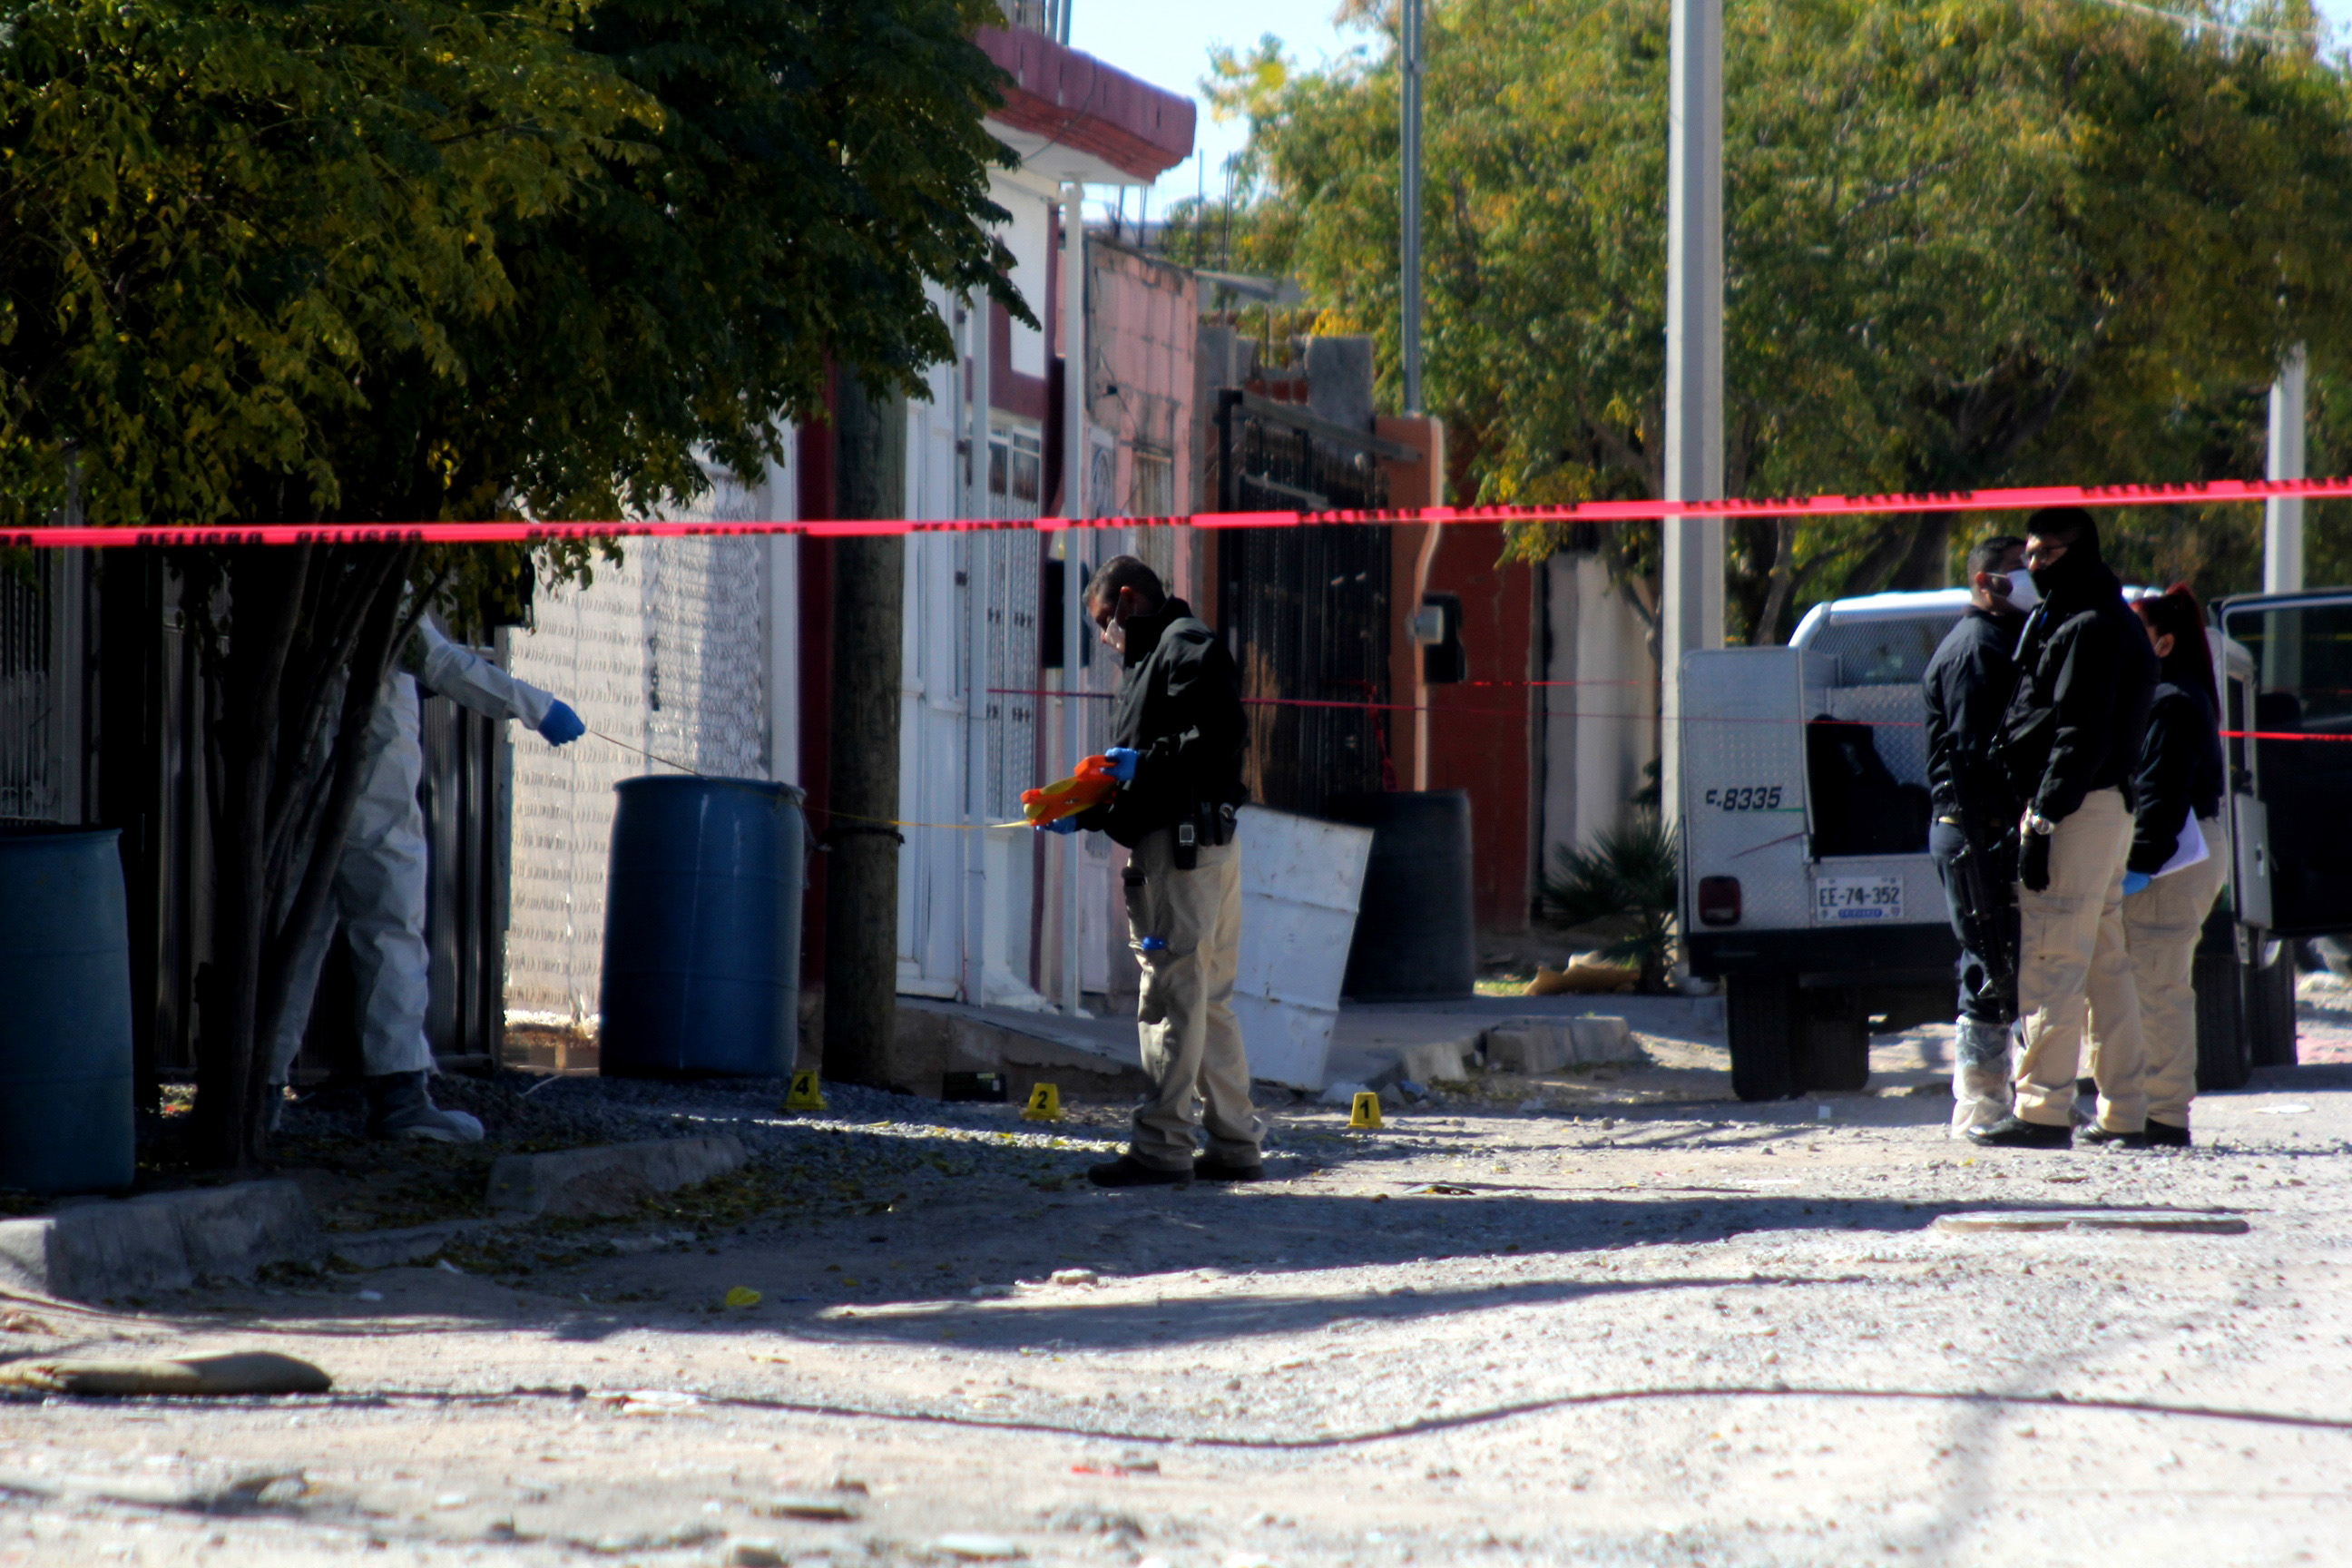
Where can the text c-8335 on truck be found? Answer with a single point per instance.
(1806, 885)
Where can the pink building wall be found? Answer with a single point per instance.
(1143, 320)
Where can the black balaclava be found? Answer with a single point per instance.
(2081, 563)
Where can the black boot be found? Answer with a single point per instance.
(2010, 1132)
(2100, 1138)
(2164, 1135)
(1209, 1168)
(1127, 1171)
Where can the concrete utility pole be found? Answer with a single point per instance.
(2283, 515)
(861, 904)
(979, 548)
(1692, 613)
(1410, 63)
(1076, 464)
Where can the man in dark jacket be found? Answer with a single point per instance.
(2070, 746)
(1179, 734)
(1967, 685)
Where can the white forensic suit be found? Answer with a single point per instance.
(379, 891)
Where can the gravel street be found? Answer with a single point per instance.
(1611, 1316)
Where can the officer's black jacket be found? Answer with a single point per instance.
(2084, 675)
(1967, 685)
(1180, 704)
(2179, 771)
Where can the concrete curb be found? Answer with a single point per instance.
(612, 1179)
(1538, 1046)
(109, 1247)
(1434, 1060)
(935, 1038)
(162, 1241)
(412, 1244)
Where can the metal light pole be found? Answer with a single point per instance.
(2283, 515)
(1410, 60)
(1692, 566)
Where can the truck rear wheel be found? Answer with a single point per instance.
(1834, 1056)
(2224, 1045)
(2269, 1005)
(1761, 1020)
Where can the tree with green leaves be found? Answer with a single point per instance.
(390, 261)
(1966, 246)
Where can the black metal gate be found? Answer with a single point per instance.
(1305, 610)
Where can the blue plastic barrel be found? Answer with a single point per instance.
(64, 1013)
(703, 928)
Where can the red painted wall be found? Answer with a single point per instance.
(1482, 736)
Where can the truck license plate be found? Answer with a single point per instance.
(1858, 897)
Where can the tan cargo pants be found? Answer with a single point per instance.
(1184, 1017)
(2075, 973)
(2162, 924)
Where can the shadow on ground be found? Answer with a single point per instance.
(1225, 1254)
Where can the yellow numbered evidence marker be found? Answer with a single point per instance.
(1044, 1104)
(806, 1093)
(1366, 1112)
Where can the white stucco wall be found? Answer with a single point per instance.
(1600, 732)
(685, 651)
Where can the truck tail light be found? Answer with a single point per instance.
(1718, 900)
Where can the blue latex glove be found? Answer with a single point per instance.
(1122, 760)
(562, 726)
(1059, 825)
(2136, 880)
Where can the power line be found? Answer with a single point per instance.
(2295, 39)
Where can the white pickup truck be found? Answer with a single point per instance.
(1806, 885)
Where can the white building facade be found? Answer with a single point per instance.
(707, 652)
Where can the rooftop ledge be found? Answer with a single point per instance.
(1071, 117)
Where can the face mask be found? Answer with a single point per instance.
(2022, 593)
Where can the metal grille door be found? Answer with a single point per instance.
(1014, 567)
(43, 652)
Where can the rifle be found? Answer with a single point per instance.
(1983, 873)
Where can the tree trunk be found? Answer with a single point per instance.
(1780, 584)
(861, 919)
(246, 691)
(1927, 563)
(292, 675)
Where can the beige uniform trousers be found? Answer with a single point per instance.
(2162, 924)
(2075, 973)
(1192, 1042)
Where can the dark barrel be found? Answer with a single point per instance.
(703, 928)
(64, 1013)
(1415, 934)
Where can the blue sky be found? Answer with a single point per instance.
(1168, 46)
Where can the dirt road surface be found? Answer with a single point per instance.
(1610, 1317)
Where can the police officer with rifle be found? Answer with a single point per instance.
(1973, 840)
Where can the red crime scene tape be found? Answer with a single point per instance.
(525, 530)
